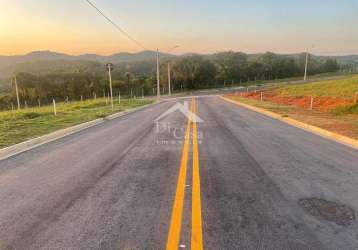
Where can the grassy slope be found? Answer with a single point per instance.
(18, 126)
(343, 88)
(343, 120)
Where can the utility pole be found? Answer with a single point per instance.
(110, 68)
(158, 74)
(17, 94)
(169, 80)
(306, 65)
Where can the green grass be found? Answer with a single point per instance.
(342, 120)
(310, 78)
(346, 110)
(274, 107)
(339, 88)
(18, 126)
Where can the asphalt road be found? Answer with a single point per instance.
(233, 181)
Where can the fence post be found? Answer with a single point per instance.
(119, 97)
(262, 96)
(81, 98)
(311, 104)
(39, 102)
(54, 107)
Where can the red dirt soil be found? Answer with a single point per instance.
(319, 103)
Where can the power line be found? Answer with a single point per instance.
(115, 25)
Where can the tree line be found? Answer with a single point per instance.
(139, 78)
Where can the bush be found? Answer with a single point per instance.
(31, 115)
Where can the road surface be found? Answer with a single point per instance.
(233, 181)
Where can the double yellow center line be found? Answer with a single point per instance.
(177, 212)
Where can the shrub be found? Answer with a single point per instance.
(31, 115)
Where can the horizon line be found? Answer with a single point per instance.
(182, 54)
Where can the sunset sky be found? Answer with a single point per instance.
(203, 26)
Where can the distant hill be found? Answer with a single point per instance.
(349, 59)
(51, 66)
(41, 62)
(30, 61)
(30, 57)
(50, 56)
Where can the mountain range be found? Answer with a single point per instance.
(51, 56)
(60, 61)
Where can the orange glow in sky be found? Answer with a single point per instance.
(74, 27)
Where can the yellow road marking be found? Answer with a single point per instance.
(177, 212)
(196, 223)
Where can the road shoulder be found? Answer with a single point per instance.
(310, 128)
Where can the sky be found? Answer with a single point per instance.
(203, 26)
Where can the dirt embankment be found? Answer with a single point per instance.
(323, 104)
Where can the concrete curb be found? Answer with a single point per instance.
(310, 128)
(36, 142)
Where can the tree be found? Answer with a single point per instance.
(188, 72)
(193, 72)
(231, 66)
(330, 65)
